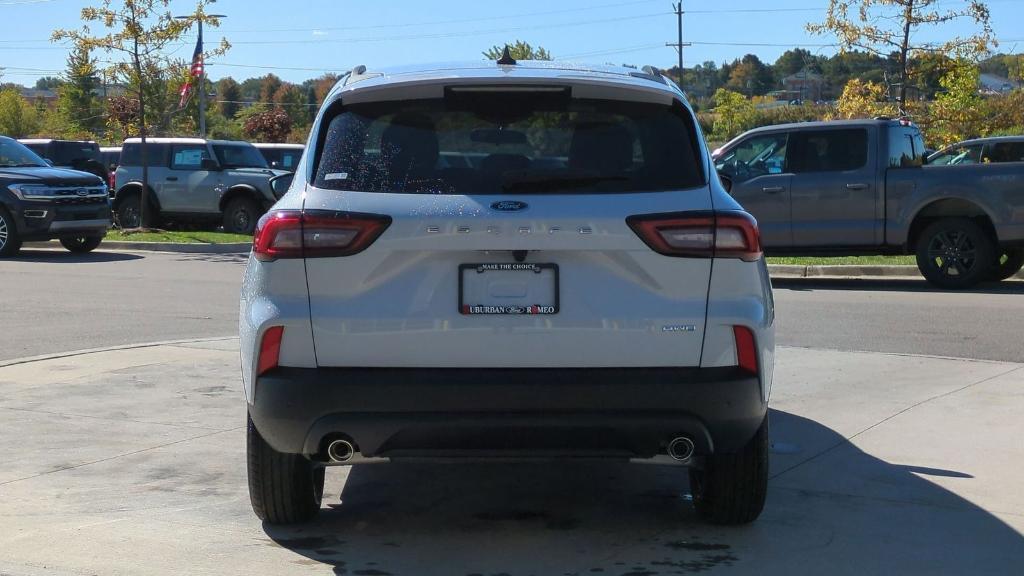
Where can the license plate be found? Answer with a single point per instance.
(508, 289)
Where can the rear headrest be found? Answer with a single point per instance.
(601, 147)
(409, 144)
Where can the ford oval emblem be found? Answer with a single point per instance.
(82, 192)
(509, 205)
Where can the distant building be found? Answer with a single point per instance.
(804, 85)
(33, 95)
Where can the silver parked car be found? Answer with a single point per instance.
(214, 181)
(586, 289)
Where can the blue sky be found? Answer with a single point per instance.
(298, 39)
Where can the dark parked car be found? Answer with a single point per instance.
(40, 202)
(281, 156)
(863, 187)
(981, 151)
(75, 154)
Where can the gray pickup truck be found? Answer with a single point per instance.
(862, 187)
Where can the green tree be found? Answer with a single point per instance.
(230, 94)
(958, 112)
(269, 85)
(77, 104)
(48, 83)
(291, 99)
(885, 27)
(138, 31)
(750, 76)
(863, 99)
(519, 50)
(18, 118)
(795, 60)
(734, 114)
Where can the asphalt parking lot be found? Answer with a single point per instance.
(131, 461)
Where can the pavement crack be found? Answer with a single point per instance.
(122, 455)
(108, 419)
(848, 440)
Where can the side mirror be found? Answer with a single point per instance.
(209, 164)
(726, 182)
(279, 185)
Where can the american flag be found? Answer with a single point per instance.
(195, 73)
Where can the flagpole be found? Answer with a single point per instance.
(202, 89)
(199, 17)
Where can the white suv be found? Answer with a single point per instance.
(507, 260)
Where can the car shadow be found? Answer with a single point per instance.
(891, 285)
(637, 520)
(64, 257)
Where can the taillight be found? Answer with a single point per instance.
(746, 348)
(270, 350)
(700, 234)
(315, 234)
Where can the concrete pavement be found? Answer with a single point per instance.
(132, 462)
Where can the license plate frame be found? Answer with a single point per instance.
(512, 310)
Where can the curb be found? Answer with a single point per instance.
(181, 248)
(845, 270)
(852, 271)
(71, 353)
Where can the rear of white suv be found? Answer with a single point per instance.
(507, 260)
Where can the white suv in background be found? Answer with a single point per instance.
(582, 285)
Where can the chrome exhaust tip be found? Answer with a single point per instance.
(340, 450)
(680, 449)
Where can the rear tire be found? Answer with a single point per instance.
(81, 245)
(1014, 261)
(731, 488)
(10, 243)
(283, 488)
(240, 216)
(955, 253)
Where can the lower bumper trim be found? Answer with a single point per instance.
(457, 413)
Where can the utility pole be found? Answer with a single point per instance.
(678, 45)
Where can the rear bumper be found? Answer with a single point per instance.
(629, 413)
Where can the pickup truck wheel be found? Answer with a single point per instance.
(283, 488)
(240, 216)
(731, 488)
(81, 245)
(9, 241)
(1009, 263)
(955, 253)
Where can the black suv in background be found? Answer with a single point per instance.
(40, 202)
(83, 155)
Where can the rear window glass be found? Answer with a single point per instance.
(67, 153)
(239, 156)
(156, 154)
(828, 150)
(495, 143)
(1004, 152)
(906, 148)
